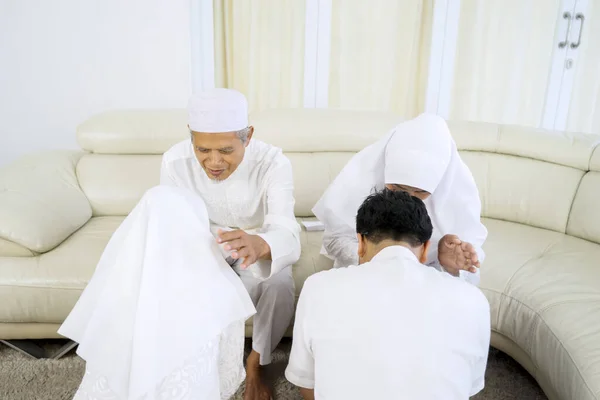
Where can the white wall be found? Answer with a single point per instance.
(64, 60)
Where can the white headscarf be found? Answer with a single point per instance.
(419, 153)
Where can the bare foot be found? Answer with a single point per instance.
(256, 389)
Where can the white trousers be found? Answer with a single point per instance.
(274, 300)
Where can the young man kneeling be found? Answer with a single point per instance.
(390, 327)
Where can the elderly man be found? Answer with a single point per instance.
(390, 328)
(185, 267)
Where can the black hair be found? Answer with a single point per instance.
(394, 215)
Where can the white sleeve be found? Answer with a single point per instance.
(482, 344)
(342, 245)
(472, 278)
(301, 367)
(280, 229)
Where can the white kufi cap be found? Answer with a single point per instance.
(217, 111)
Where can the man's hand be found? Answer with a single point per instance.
(456, 255)
(248, 247)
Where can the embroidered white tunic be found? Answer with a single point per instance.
(394, 328)
(257, 197)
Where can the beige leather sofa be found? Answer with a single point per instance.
(540, 193)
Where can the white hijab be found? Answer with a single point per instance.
(419, 153)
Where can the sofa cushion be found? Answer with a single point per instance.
(313, 173)
(155, 131)
(563, 148)
(544, 292)
(327, 130)
(511, 188)
(522, 190)
(311, 261)
(585, 213)
(322, 130)
(115, 184)
(41, 203)
(45, 288)
(547, 168)
(595, 161)
(11, 249)
(133, 131)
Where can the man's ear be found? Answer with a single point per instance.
(423, 258)
(249, 135)
(362, 248)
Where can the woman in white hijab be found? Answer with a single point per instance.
(139, 341)
(419, 156)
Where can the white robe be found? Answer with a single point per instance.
(163, 315)
(390, 329)
(419, 153)
(258, 198)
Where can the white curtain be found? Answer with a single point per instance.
(584, 110)
(379, 54)
(259, 50)
(503, 60)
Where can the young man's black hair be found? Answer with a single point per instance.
(393, 217)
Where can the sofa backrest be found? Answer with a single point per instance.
(524, 175)
(584, 219)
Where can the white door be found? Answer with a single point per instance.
(579, 105)
(496, 59)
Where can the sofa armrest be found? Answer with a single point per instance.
(41, 203)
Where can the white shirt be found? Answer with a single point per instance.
(390, 328)
(257, 197)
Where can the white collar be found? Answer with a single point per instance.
(395, 252)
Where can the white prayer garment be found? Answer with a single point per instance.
(163, 316)
(419, 153)
(391, 328)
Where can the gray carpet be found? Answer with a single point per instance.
(23, 378)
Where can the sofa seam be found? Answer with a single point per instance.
(541, 319)
(40, 287)
(563, 302)
(573, 200)
(501, 153)
(508, 283)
